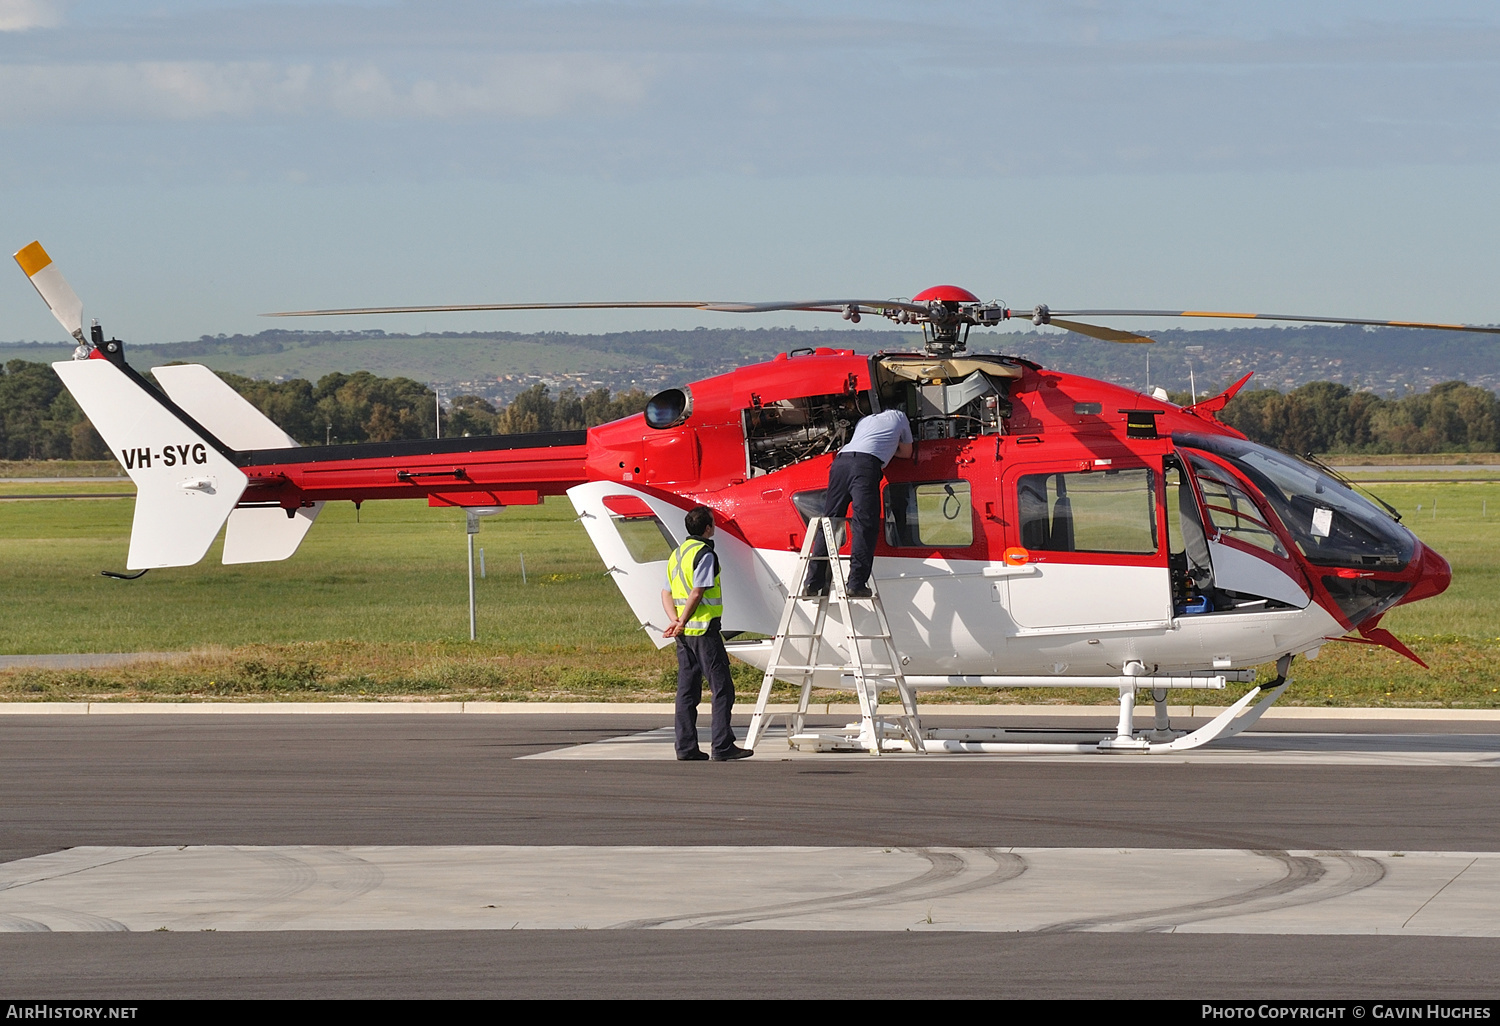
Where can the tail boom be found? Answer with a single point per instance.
(499, 470)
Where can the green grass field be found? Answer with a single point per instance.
(377, 608)
(57, 468)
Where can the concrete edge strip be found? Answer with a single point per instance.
(1100, 712)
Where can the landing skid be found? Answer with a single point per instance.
(940, 740)
(875, 666)
(1021, 741)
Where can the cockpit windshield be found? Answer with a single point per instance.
(1331, 523)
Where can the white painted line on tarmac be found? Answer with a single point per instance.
(1262, 749)
(308, 887)
(1104, 714)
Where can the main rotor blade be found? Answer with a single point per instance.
(812, 305)
(1098, 331)
(53, 288)
(1279, 317)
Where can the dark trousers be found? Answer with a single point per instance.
(854, 477)
(698, 657)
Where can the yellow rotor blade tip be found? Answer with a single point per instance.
(33, 258)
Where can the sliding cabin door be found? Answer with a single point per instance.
(1092, 541)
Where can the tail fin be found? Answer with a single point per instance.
(185, 486)
(255, 534)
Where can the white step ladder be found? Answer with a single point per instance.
(797, 652)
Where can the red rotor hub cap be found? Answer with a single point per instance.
(945, 294)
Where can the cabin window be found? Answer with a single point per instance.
(1089, 511)
(810, 504)
(1231, 510)
(937, 514)
(646, 538)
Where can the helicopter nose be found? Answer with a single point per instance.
(1433, 575)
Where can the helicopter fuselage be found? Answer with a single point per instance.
(1047, 524)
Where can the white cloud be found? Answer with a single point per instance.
(506, 86)
(20, 15)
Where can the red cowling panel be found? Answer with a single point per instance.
(945, 294)
(627, 506)
(509, 497)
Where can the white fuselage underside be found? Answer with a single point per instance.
(974, 618)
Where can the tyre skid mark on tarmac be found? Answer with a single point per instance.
(991, 889)
(84, 921)
(943, 866)
(351, 877)
(1298, 886)
(11, 923)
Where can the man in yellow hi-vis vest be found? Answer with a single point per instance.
(694, 603)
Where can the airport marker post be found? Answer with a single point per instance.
(472, 515)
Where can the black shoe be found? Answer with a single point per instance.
(814, 591)
(733, 754)
(863, 591)
(696, 755)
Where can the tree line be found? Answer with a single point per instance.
(39, 420)
(1323, 417)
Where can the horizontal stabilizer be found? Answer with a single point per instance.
(209, 400)
(255, 534)
(265, 534)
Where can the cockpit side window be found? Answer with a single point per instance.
(1233, 512)
(1185, 523)
(1329, 521)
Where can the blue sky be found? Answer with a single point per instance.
(191, 164)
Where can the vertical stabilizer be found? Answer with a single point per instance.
(185, 488)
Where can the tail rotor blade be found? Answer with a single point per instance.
(54, 289)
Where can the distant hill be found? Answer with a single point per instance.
(498, 365)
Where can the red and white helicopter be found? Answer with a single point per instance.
(1052, 530)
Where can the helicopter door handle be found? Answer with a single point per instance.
(1025, 570)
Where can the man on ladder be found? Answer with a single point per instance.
(694, 602)
(855, 475)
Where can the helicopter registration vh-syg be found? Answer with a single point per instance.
(1050, 530)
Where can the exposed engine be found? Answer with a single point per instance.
(948, 398)
(791, 430)
(944, 398)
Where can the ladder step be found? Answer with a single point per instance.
(871, 678)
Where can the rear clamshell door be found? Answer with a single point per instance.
(635, 532)
(1091, 533)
